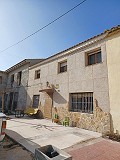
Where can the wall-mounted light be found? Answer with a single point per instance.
(47, 83)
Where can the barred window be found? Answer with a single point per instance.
(81, 102)
(35, 101)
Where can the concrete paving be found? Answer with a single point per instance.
(33, 133)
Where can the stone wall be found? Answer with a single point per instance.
(99, 121)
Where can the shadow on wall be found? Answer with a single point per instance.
(15, 97)
(58, 98)
(111, 120)
(111, 124)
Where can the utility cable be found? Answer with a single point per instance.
(43, 27)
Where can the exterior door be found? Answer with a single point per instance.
(5, 102)
(36, 101)
(14, 105)
(48, 106)
(10, 101)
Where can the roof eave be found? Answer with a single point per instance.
(25, 61)
(73, 49)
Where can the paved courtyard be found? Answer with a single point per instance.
(33, 133)
(102, 150)
(80, 143)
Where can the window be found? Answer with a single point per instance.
(0, 79)
(35, 101)
(81, 102)
(19, 75)
(12, 80)
(37, 74)
(94, 57)
(62, 66)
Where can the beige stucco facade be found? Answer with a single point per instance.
(113, 62)
(79, 78)
(13, 95)
(15, 91)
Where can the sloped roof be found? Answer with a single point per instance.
(25, 61)
(77, 46)
(36, 62)
(105, 32)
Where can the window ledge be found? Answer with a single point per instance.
(62, 72)
(80, 112)
(93, 64)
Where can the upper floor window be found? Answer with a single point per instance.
(37, 74)
(19, 76)
(62, 66)
(94, 57)
(12, 79)
(0, 79)
(82, 102)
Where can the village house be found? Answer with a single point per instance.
(13, 85)
(81, 83)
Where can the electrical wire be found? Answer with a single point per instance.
(43, 27)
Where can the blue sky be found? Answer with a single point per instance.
(19, 18)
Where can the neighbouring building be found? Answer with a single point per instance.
(3, 82)
(113, 64)
(13, 85)
(81, 83)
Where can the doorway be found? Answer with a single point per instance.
(36, 101)
(48, 106)
(13, 99)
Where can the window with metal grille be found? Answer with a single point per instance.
(81, 102)
(35, 101)
(62, 66)
(37, 74)
(94, 57)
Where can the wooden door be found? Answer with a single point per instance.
(48, 106)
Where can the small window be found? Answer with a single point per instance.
(81, 102)
(37, 74)
(36, 101)
(0, 79)
(19, 75)
(62, 66)
(12, 80)
(93, 58)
